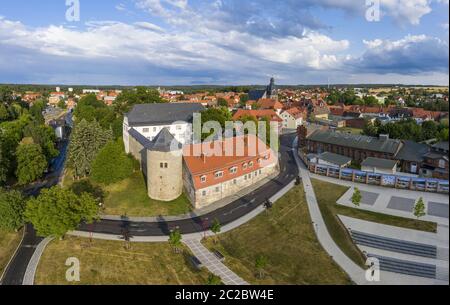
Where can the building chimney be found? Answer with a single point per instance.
(384, 137)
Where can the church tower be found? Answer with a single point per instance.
(272, 92)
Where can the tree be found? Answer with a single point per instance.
(141, 95)
(175, 238)
(419, 208)
(86, 141)
(221, 102)
(111, 164)
(56, 211)
(260, 264)
(44, 136)
(214, 280)
(12, 207)
(356, 198)
(31, 163)
(216, 228)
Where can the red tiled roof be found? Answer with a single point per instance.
(258, 114)
(244, 149)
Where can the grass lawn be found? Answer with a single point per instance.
(285, 236)
(327, 195)
(109, 263)
(129, 197)
(8, 244)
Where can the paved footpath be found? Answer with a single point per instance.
(356, 273)
(213, 264)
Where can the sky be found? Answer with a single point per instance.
(224, 42)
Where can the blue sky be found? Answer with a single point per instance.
(184, 42)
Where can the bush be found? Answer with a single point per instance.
(85, 186)
(12, 207)
(112, 164)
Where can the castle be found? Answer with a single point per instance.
(159, 136)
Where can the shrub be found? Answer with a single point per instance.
(111, 164)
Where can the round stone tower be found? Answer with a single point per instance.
(165, 167)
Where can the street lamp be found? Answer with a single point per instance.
(205, 225)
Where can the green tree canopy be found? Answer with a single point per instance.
(419, 208)
(357, 197)
(56, 211)
(31, 163)
(141, 95)
(111, 164)
(86, 141)
(44, 136)
(12, 208)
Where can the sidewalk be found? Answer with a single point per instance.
(356, 273)
(216, 267)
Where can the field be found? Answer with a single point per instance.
(8, 244)
(109, 263)
(129, 197)
(285, 236)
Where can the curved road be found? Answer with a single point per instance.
(227, 214)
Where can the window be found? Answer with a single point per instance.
(218, 175)
(155, 129)
(178, 127)
(204, 193)
(234, 181)
(146, 130)
(217, 189)
(233, 170)
(164, 165)
(441, 163)
(203, 179)
(244, 166)
(250, 164)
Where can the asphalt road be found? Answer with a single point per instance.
(225, 215)
(233, 211)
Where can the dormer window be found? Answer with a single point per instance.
(218, 175)
(244, 166)
(250, 164)
(203, 179)
(233, 170)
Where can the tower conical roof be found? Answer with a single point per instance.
(165, 142)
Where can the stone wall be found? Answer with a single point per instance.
(204, 197)
(164, 184)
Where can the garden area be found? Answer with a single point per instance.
(280, 245)
(112, 263)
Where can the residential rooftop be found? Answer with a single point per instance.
(162, 113)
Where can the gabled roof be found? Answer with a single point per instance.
(379, 163)
(412, 151)
(258, 114)
(335, 158)
(256, 94)
(162, 113)
(268, 103)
